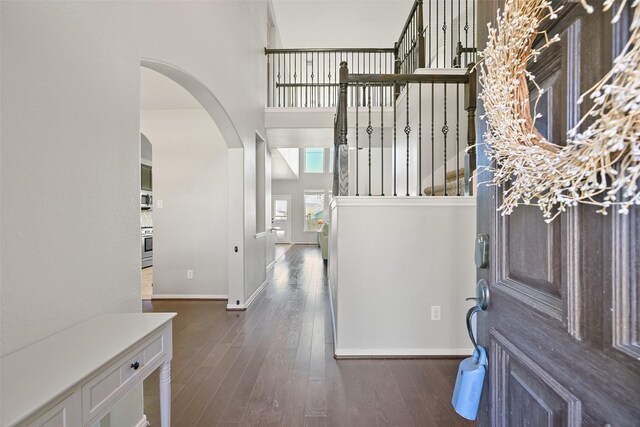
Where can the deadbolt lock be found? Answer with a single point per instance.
(482, 251)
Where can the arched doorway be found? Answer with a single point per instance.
(204, 164)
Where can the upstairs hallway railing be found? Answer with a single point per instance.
(308, 78)
(436, 34)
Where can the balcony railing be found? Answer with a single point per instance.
(309, 78)
(436, 34)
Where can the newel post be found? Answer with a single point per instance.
(470, 103)
(341, 149)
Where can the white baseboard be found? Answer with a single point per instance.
(271, 264)
(190, 296)
(402, 352)
(333, 317)
(143, 422)
(242, 307)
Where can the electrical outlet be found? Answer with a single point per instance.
(160, 204)
(189, 274)
(435, 312)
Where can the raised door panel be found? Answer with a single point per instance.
(623, 331)
(525, 393)
(537, 263)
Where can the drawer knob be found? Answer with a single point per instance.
(135, 365)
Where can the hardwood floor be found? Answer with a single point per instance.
(274, 365)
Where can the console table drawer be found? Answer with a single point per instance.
(100, 393)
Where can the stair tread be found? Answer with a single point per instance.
(438, 190)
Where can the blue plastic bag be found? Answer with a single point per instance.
(469, 381)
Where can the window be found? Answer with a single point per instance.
(313, 210)
(314, 160)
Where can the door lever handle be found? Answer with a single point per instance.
(482, 295)
(482, 302)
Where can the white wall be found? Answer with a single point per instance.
(296, 188)
(391, 260)
(190, 171)
(70, 114)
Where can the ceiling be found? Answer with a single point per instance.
(344, 23)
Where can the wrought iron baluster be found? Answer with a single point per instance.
(473, 32)
(444, 33)
(335, 60)
(437, 34)
(433, 141)
(429, 27)
(458, 139)
(407, 131)
(466, 27)
(324, 79)
(369, 131)
(451, 51)
(352, 87)
(411, 35)
(329, 88)
(279, 88)
(395, 154)
(420, 139)
(459, 25)
(357, 143)
(295, 79)
(311, 88)
(421, 47)
(288, 92)
(381, 139)
(306, 78)
(445, 131)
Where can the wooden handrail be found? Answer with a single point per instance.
(332, 50)
(406, 24)
(401, 79)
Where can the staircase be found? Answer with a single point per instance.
(453, 186)
(399, 114)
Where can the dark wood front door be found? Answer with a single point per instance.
(562, 329)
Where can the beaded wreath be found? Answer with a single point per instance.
(599, 165)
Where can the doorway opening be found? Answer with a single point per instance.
(281, 220)
(146, 216)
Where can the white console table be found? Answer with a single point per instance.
(74, 378)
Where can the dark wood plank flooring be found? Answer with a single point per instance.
(274, 365)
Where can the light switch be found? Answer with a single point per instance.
(160, 204)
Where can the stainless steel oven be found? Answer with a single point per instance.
(146, 200)
(147, 246)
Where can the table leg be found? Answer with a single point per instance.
(165, 394)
